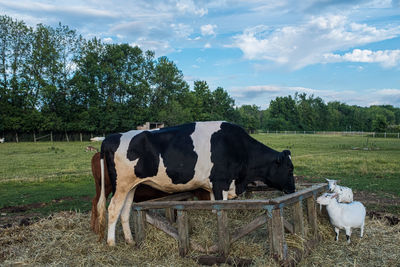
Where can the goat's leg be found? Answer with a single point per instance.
(348, 234)
(337, 234)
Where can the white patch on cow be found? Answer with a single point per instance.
(202, 146)
(231, 193)
(290, 157)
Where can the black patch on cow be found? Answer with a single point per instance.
(108, 148)
(175, 146)
(237, 156)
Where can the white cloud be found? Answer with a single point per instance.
(387, 58)
(207, 45)
(208, 29)
(308, 43)
(182, 30)
(108, 40)
(261, 95)
(188, 6)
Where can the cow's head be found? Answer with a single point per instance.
(281, 173)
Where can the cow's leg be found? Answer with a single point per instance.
(217, 193)
(126, 210)
(114, 211)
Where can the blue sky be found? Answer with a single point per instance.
(341, 50)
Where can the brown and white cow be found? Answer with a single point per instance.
(219, 157)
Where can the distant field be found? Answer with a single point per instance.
(44, 172)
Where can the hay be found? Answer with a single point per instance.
(380, 246)
(66, 239)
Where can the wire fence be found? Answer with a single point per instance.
(86, 136)
(342, 133)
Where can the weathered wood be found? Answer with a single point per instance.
(312, 216)
(174, 197)
(223, 233)
(305, 193)
(170, 214)
(276, 235)
(233, 204)
(298, 223)
(183, 232)
(248, 228)
(139, 221)
(162, 224)
(288, 226)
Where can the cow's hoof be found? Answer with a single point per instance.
(111, 243)
(129, 241)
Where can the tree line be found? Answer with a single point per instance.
(52, 79)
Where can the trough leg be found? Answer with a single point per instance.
(183, 232)
(276, 235)
(223, 233)
(312, 216)
(139, 219)
(298, 223)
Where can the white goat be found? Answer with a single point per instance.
(345, 194)
(2, 140)
(343, 215)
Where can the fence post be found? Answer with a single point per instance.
(298, 224)
(276, 234)
(80, 136)
(223, 233)
(385, 134)
(34, 137)
(183, 232)
(398, 135)
(312, 216)
(139, 220)
(51, 136)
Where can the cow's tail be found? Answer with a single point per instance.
(101, 205)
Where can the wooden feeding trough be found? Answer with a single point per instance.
(273, 216)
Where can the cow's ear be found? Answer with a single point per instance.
(282, 155)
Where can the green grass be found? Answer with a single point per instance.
(320, 156)
(41, 172)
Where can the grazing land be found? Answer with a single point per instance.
(57, 176)
(46, 190)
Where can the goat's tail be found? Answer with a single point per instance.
(101, 205)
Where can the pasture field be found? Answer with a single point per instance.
(46, 190)
(58, 175)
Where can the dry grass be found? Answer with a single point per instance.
(65, 239)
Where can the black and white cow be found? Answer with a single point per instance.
(219, 157)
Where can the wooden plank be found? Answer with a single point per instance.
(223, 233)
(248, 228)
(170, 215)
(292, 198)
(288, 226)
(276, 235)
(298, 223)
(204, 204)
(312, 216)
(139, 217)
(162, 224)
(183, 232)
(173, 197)
(233, 204)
